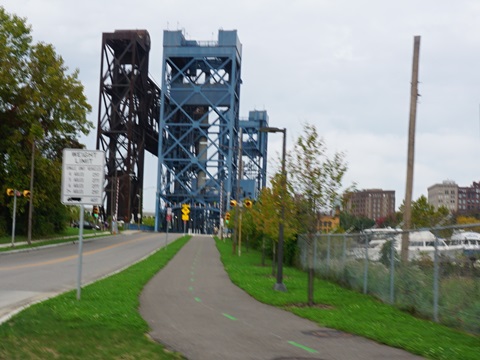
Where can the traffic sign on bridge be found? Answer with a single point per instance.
(185, 212)
(83, 174)
(185, 209)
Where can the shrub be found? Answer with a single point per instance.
(413, 289)
(386, 254)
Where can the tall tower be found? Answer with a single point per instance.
(254, 153)
(198, 138)
(128, 119)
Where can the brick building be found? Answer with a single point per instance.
(329, 222)
(370, 203)
(469, 198)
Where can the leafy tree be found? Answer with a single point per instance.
(355, 223)
(265, 217)
(248, 227)
(42, 111)
(391, 220)
(467, 220)
(317, 178)
(425, 215)
(266, 214)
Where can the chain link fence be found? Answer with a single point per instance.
(441, 280)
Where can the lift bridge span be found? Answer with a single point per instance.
(192, 125)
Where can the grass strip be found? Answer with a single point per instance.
(104, 324)
(346, 310)
(43, 243)
(69, 235)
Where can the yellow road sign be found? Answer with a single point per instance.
(185, 217)
(185, 209)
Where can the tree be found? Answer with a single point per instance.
(317, 179)
(43, 110)
(467, 220)
(355, 223)
(425, 215)
(266, 213)
(391, 220)
(248, 226)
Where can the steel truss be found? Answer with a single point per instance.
(128, 120)
(197, 157)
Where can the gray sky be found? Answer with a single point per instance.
(342, 65)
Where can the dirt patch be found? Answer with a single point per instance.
(314, 306)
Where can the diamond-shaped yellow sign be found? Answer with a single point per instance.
(185, 209)
(185, 217)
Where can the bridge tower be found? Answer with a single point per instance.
(254, 154)
(128, 119)
(198, 135)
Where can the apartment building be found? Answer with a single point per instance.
(469, 198)
(444, 194)
(371, 203)
(461, 199)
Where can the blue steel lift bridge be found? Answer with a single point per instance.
(254, 154)
(192, 125)
(199, 134)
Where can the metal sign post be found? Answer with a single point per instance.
(80, 252)
(83, 175)
(185, 216)
(14, 215)
(166, 237)
(169, 219)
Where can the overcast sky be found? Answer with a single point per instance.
(342, 65)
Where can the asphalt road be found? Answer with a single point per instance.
(193, 308)
(31, 276)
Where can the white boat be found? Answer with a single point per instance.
(421, 244)
(466, 242)
(376, 238)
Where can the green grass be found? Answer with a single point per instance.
(104, 324)
(69, 231)
(69, 235)
(347, 310)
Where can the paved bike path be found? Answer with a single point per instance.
(193, 308)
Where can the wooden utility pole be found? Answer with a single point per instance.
(407, 215)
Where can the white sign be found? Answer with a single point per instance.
(83, 175)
